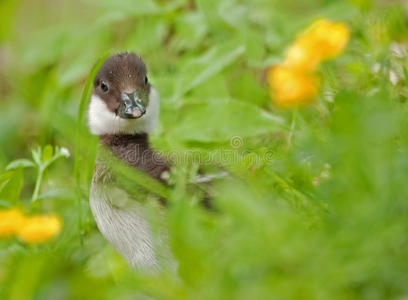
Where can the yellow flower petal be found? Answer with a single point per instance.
(330, 39)
(10, 222)
(39, 229)
(321, 40)
(291, 87)
(302, 55)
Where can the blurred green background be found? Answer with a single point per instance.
(324, 217)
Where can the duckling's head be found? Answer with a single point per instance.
(123, 101)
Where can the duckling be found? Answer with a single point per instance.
(123, 110)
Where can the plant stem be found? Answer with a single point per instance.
(86, 94)
(37, 184)
(292, 127)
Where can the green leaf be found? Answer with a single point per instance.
(205, 122)
(36, 153)
(23, 163)
(190, 29)
(4, 179)
(58, 194)
(47, 153)
(210, 9)
(86, 94)
(212, 62)
(147, 37)
(12, 185)
(233, 14)
(130, 7)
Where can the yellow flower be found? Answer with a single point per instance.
(330, 38)
(39, 229)
(321, 41)
(294, 82)
(291, 87)
(302, 55)
(10, 222)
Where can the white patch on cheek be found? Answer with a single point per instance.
(99, 116)
(102, 121)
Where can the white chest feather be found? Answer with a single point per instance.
(126, 228)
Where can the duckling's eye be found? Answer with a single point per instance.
(104, 87)
(146, 80)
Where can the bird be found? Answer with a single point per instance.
(123, 111)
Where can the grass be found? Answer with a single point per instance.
(316, 204)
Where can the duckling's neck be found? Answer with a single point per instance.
(135, 151)
(114, 141)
